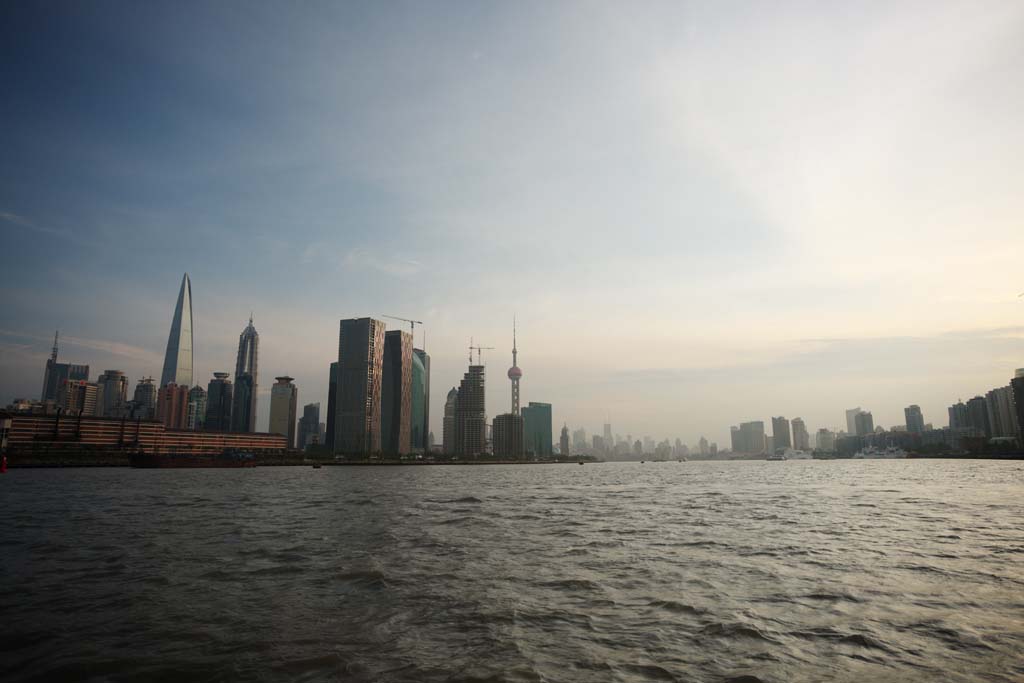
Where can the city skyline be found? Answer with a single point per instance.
(689, 208)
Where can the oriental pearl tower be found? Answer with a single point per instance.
(514, 373)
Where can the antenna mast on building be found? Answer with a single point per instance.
(53, 356)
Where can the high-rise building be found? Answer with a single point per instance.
(332, 405)
(915, 420)
(958, 418)
(77, 397)
(863, 423)
(196, 417)
(1017, 387)
(56, 373)
(702, 445)
(748, 437)
(219, 399)
(309, 426)
(284, 400)
(178, 359)
(243, 409)
(563, 441)
(851, 419)
(471, 414)
(780, 433)
(507, 436)
(448, 425)
(1001, 412)
(801, 439)
(420, 400)
(977, 416)
(357, 425)
(825, 440)
(609, 442)
(579, 439)
(172, 405)
(144, 400)
(537, 429)
(396, 393)
(112, 394)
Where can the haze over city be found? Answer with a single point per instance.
(699, 216)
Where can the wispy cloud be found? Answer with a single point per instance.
(117, 349)
(22, 221)
(397, 266)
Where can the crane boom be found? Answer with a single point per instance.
(412, 323)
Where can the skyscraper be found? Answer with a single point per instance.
(537, 429)
(196, 416)
(977, 416)
(420, 400)
(332, 404)
(609, 442)
(801, 439)
(749, 437)
(113, 393)
(357, 425)
(243, 410)
(1001, 412)
(1017, 387)
(309, 426)
(77, 397)
(219, 399)
(144, 400)
(172, 405)
(958, 418)
(863, 423)
(851, 420)
(563, 441)
(56, 373)
(448, 425)
(471, 414)
(178, 359)
(284, 399)
(396, 393)
(780, 434)
(914, 418)
(507, 436)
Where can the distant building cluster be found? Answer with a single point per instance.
(378, 404)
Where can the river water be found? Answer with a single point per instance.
(792, 571)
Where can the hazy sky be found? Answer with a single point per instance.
(700, 212)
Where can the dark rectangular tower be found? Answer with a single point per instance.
(360, 376)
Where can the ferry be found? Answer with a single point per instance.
(228, 458)
(776, 457)
(872, 453)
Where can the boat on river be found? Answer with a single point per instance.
(228, 458)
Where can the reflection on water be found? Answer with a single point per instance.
(795, 571)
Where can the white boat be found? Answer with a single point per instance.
(776, 457)
(872, 453)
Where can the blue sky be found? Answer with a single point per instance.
(700, 212)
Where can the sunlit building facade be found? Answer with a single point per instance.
(357, 424)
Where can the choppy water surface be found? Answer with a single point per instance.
(792, 571)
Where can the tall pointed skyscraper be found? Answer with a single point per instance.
(243, 411)
(178, 360)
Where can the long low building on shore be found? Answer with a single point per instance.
(33, 433)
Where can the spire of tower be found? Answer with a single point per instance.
(54, 355)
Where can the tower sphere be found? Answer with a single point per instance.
(514, 372)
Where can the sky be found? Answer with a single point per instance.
(699, 213)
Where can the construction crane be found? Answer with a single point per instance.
(412, 324)
(478, 350)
